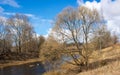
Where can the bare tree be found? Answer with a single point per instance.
(36, 45)
(4, 35)
(76, 25)
(5, 39)
(115, 38)
(17, 35)
(103, 38)
(21, 31)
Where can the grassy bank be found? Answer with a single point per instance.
(14, 63)
(104, 62)
(111, 57)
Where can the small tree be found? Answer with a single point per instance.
(41, 41)
(102, 38)
(50, 53)
(115, 38)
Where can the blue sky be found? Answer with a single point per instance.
(41, 12)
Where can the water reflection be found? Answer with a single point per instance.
(28, 69)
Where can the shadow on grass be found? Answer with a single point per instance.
(96, 65)
(101, 63)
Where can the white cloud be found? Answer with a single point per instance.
(8, 13)
(31, 16)
(2, 19)
(12, 3)
(27, 14)
(92, 5)
(80, 2)
(37, 22)
(48, 33)
(46, 20)
(111, 12)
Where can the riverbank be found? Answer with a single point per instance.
(104, 62)
(15, 63)
(111, 57)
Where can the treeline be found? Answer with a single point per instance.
(18, 39)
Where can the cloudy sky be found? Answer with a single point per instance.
(42, 12)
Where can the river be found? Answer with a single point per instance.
(26, 69)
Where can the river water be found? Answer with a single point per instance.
(27, 69)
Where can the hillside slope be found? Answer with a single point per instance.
(109, 58)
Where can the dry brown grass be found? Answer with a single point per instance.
(54, 73)
(105, 62)
(108, 62)
(14, 63)
(69, 69)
